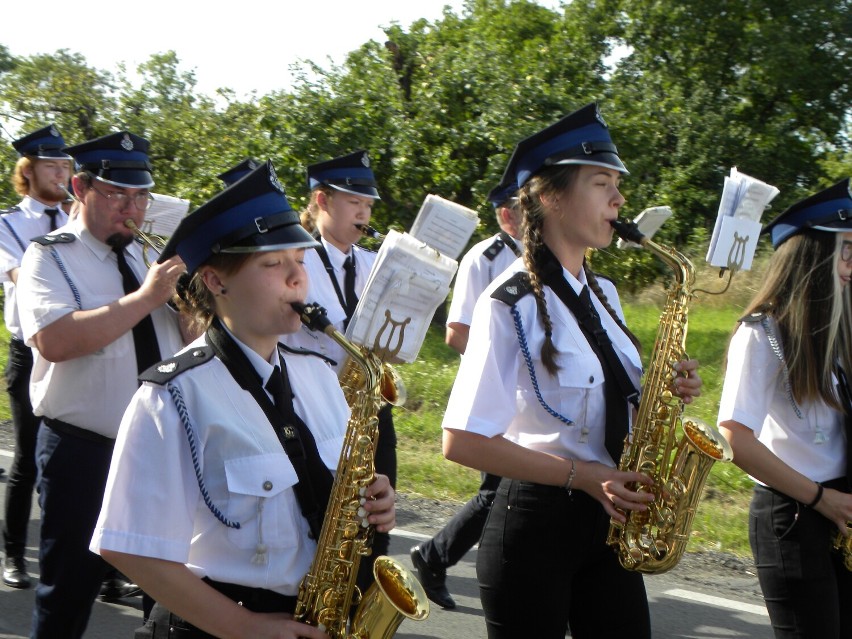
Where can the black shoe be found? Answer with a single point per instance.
(15, 573)
(433, 581)
(118, 588)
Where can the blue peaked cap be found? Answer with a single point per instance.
(251, 215)
(118, 158)
(350, 173)
(829, 210)
(239, 171)
(501, 193)
(581, 137)
(44, 144)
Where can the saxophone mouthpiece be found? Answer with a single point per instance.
(314, 316)
(628, 231)
(369, 231)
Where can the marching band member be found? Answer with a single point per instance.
(479, 267)
(93, 328)
(236, 438)
(786, 410)
(343, 192)
(41, 171)
(544, 407)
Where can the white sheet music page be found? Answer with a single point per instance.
(737, 227)
(407, 283)
(165, 214)
(444, 225)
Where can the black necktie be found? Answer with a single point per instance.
(616, 406)
(144, 336)
(314, 497)
(349, 286)
(52, 213)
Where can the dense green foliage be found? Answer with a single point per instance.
(690, 89)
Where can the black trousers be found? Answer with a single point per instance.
(460, 534)
(805, 585)
(72, 474)
(385, 461)
(22, 475)
(543, 564)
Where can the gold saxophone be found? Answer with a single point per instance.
(328, 590)
(843, 544)
(653, 541)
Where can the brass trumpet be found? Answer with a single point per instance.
(147, 240)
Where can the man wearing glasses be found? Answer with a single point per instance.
(95, 318)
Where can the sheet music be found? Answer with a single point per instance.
(737, 226)
(165, 214)
(444, 225)
(407, 283)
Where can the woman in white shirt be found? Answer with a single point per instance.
(543, 406)
(785, 410)
(208, 507)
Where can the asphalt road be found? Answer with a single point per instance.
(700, 599)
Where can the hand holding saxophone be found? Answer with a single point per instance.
(616, 490)
(379, 502)
(687, 384)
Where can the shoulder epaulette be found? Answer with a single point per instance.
(494, 249)
(757, 316)
(170, 368)
(54, 238)
(11, 209)
(306, 351)
(513, 289)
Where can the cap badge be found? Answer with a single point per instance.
(365, 160)
(600, 119)
(53, 131)
(273, 180)
(127, 143)
(169, 367)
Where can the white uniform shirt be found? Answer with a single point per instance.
(92, 391)
(755, 395)
(321, 291)
(493, 393)
(19, 226)
(475, 273)
(153, 505)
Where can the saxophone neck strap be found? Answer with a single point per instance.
(315, 480)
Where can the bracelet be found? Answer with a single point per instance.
(570, 481)
(818, 496)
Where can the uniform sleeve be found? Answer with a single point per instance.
(750, 378)
(472, 278)
(152, 492)
(10, 252)
(484, 393)
(44, 295)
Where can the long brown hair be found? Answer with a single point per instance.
(551, 180)
(802, 292)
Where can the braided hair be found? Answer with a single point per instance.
(551, 179)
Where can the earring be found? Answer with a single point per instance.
(223, 291)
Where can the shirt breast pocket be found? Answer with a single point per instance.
(581, 388)
(261, 500)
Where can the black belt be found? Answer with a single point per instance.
(75, 431)
(255, 599)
